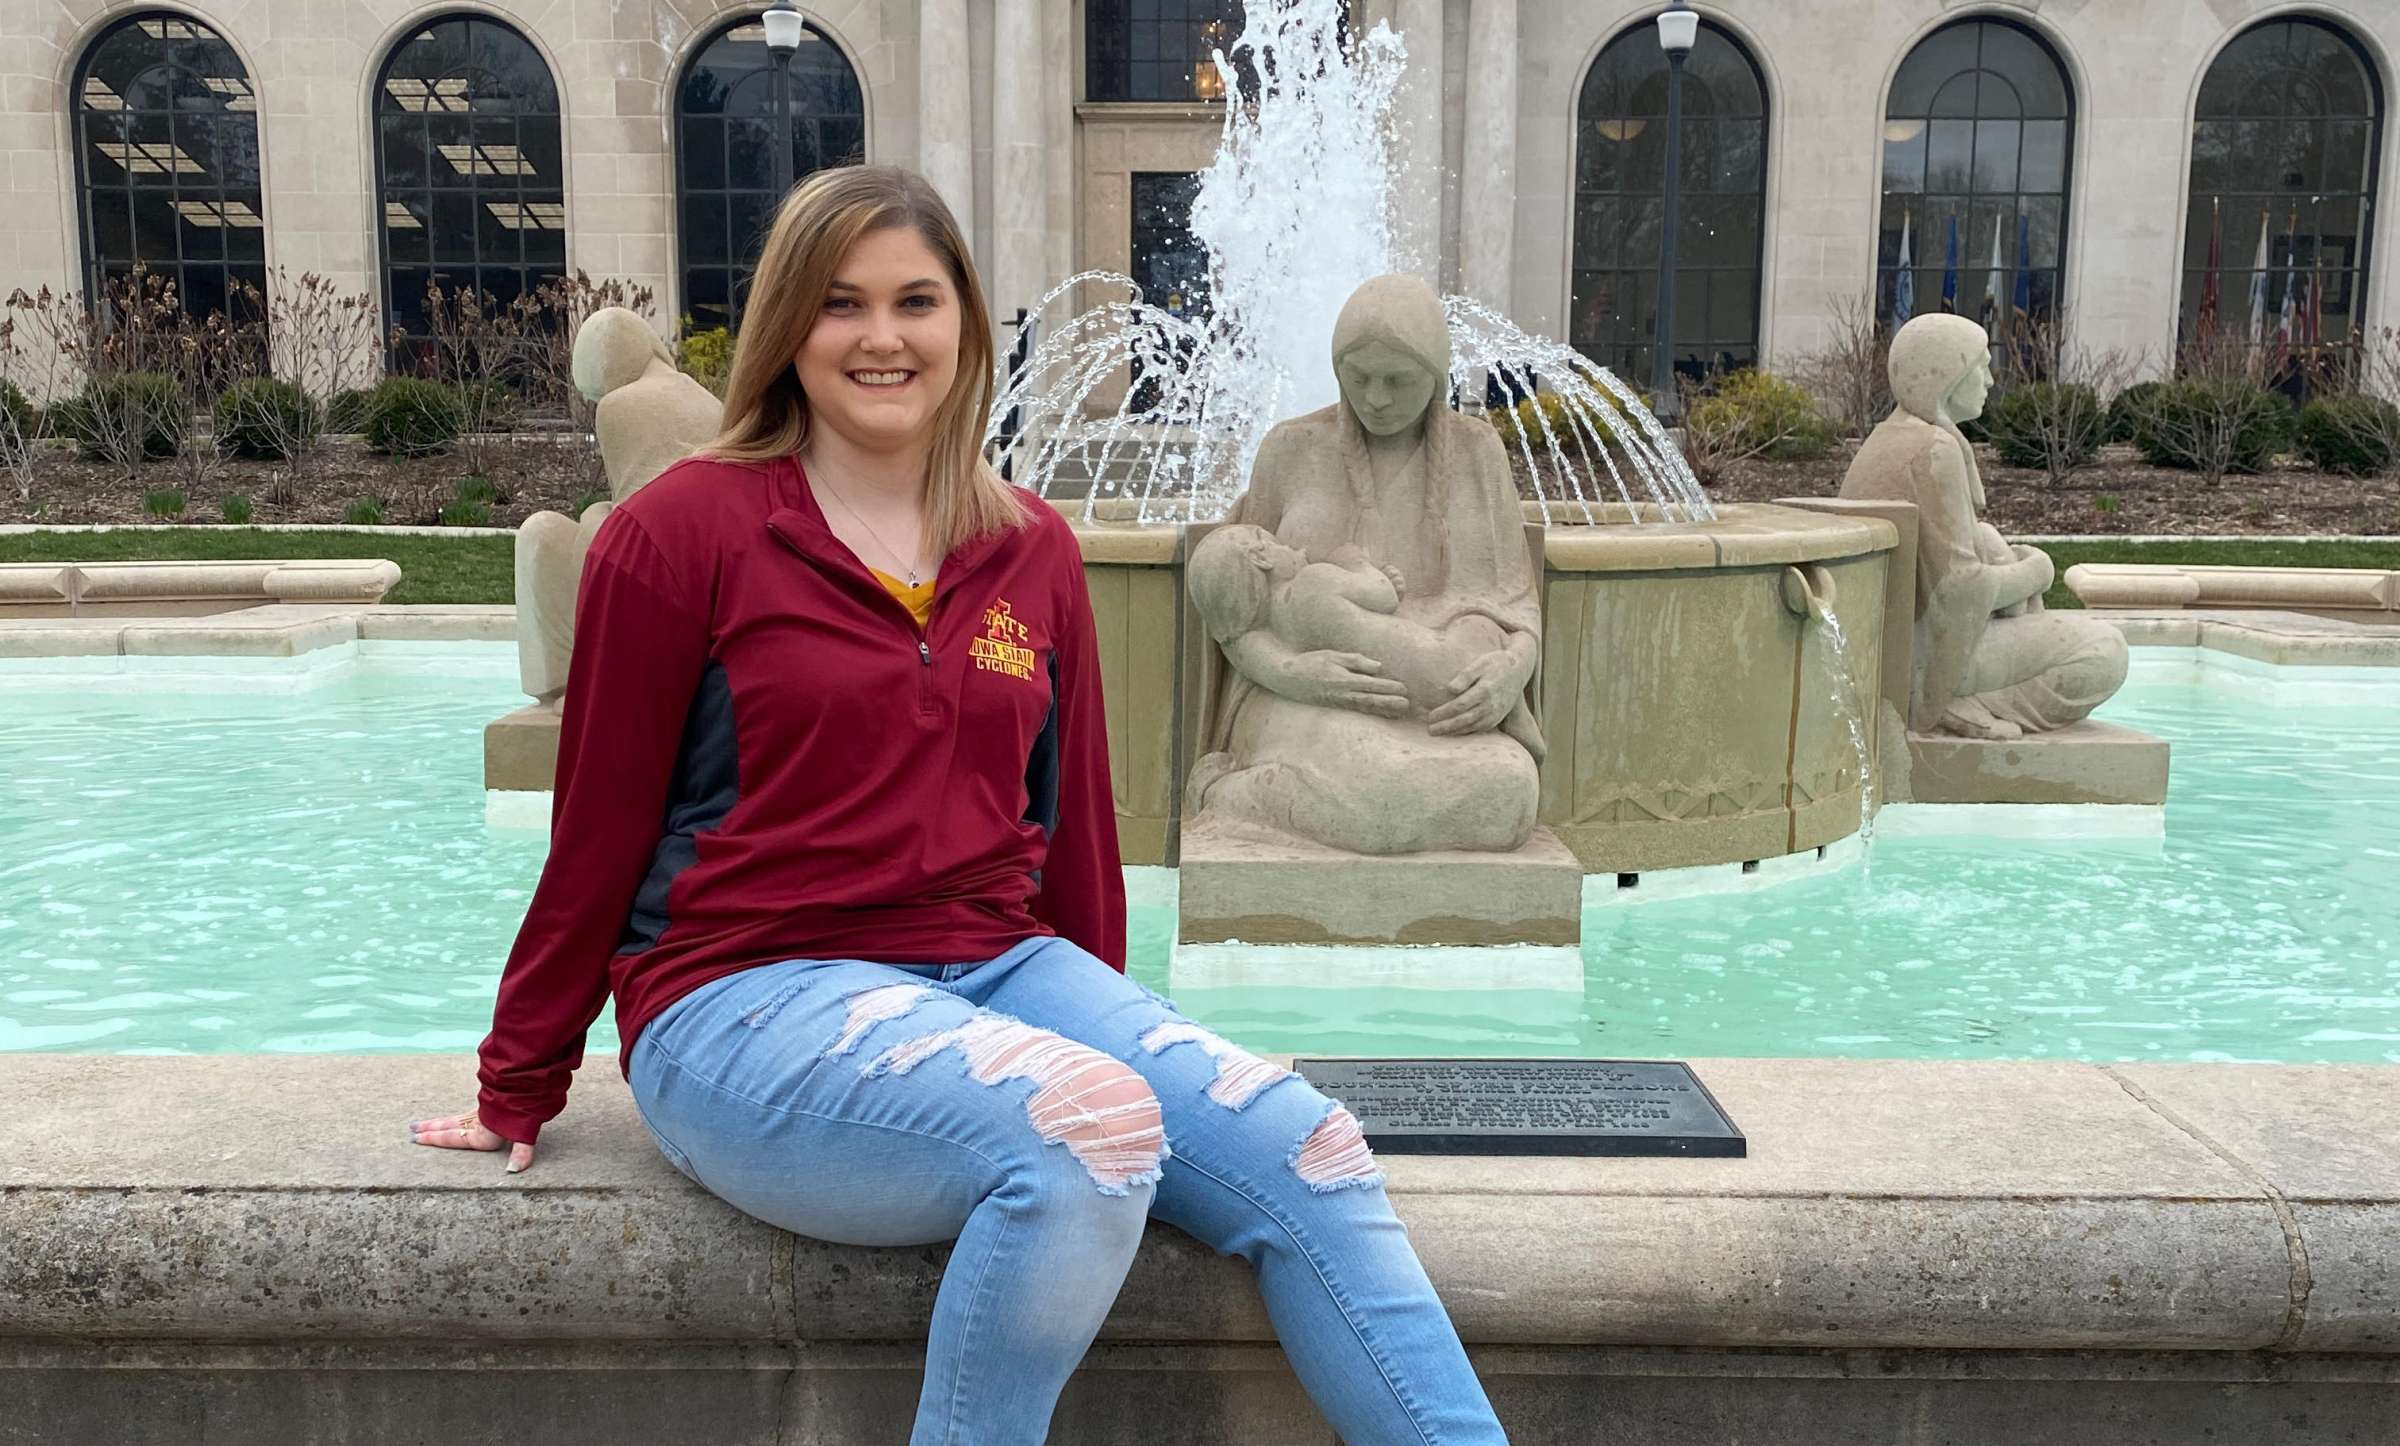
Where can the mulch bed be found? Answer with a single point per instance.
(2119, 494)
(532, 473)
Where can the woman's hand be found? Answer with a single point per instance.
(1485, 692)
(1328, 679)
(465, 1132)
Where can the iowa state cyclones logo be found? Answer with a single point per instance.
(1002, 647)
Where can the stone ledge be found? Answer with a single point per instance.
(520, 749)
(1255, 890)
(2284, 639)
(1886, 1204)
(2358, 593)
(62, 589)
(2285, 646)
(1172, 1395)
(439, 623)
(2086, 762)
(254, 630)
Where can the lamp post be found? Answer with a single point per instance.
(782, 24)
(1678, 28)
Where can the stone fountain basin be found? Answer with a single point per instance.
(1691, 712)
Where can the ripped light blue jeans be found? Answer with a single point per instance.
(1037, 1109)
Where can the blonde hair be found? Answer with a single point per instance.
(767, 413)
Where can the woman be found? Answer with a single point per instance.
(868, 972)
(1324, 743)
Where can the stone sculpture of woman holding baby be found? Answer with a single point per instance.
(1375, 604)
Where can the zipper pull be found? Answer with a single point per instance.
(925, 652)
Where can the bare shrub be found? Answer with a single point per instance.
(322, 340)
(481, 349)
(2216, 416)
(122, 354)
(1750, 413)
(2353, 424)
(37, 364)
(2054, 415)
(1850, 375)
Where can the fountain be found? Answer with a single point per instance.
(1682, 728)
(1295, 216)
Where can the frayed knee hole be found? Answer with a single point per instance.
(1240, 1075)
(1100, 1110)
(1335, 1153)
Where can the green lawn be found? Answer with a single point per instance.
(2260, 552)
(482, 569)
(432, 569)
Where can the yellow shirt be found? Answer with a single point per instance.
(918, 600)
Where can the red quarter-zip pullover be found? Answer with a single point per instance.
(763, 757)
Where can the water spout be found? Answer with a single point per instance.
(1844, 692)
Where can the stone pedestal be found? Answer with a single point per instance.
(520, 749)
(1241, 886)
(2089, 762)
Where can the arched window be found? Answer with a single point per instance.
(1976, 136)
(2284, 152)
(726, 136)
(467, 165)
(167, 151)
(1620, 205)
(1157, 49)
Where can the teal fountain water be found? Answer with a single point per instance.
(227, 868)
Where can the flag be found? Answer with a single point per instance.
(2258, 285)
(2291, 294)
(2206, 328)
(2024, 294)
(1995, 281)
(2315, 314)
(1904, 284)
(1950, 265)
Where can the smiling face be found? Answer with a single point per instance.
(883, 352)
(1385, 386)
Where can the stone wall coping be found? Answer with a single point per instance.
(2369, 590)
(351, 580)
(266, 630)
(19, 529)
(1885, 1204)
(1745, 534)
(2278, 638)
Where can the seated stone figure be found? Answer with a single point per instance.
(1991, 661)
(650, 416)
(1326, 717)
(1345, 604)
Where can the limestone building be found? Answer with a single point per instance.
(2127, 164)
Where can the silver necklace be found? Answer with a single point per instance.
(889, 551)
